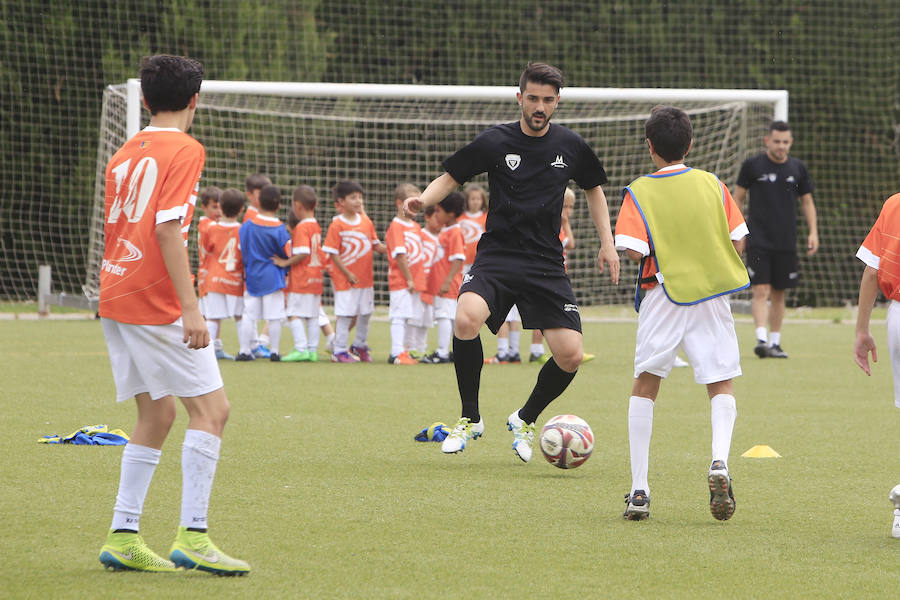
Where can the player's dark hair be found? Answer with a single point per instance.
(429, 210)
(270, 198)
(169, 82)
(541, 73)
(779, 126)
(454, 203)
(232, 202)
(209, 194)
(345, 188)
(669, 130)
(257, 181)
(292, 220)
(305, 195)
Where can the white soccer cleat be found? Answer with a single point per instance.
(523, 436)
(895, 498)
(462, 432)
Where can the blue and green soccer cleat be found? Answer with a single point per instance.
(194, 550)
(129, 552)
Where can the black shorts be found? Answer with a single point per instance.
(777, 268)
(543, 296)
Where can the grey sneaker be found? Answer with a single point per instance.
(775, 351)
(721, 495)
(761, 349)
(637, 506)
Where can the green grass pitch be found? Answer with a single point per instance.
(323, 490)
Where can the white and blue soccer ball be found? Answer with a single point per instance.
(567, 441)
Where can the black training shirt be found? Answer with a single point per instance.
(774, 188)
(527, 178)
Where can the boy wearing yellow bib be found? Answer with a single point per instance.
(688, 233)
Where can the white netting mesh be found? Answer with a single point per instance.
(381, 142)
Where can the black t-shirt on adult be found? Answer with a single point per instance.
(774, 188)
(527, 177)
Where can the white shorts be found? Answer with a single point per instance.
(353, 302)
(153, 359)
(323, 318)
(444, 308)
(426, 320)
(401, 304)
(705, 332)
(264, 308)
(223, 306)
(513, 315)
(304, 305)
(893, 342)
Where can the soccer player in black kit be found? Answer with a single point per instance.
(519, 261)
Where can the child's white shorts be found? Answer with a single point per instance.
(705, 332)
(353, 302)
(306, 306)
(401, 304)
(155, 360)
(223, 306)
(264, 308)
(893, 341)
(444, 308)
(513, 315)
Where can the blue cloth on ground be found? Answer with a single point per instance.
(90, 435)
(436, 432)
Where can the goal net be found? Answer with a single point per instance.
(383, 135)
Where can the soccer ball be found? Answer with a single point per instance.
(567, 441)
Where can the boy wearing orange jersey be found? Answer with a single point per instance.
(209, 203)
(406, 276)
(225, 270)
(446, 272)
(430, 249)
(350, 241)
(158, 341)
(305, 282)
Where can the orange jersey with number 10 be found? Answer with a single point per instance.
(306, 275)
(152, 179)
(224, 266)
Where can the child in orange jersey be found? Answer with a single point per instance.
(472, 221)
(350, 242)
(158, 340)
(446, 272)
(406, 276)
(209, 203)
(430, 248)
(305, 281)
(225, 269)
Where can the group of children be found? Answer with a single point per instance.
(260, 270)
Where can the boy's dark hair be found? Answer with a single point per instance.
(257, 181)
(169, 82)
(779, 126)
(231, 202)
(292, 220)
(270, 198)
(669, 130)
(345, 188)
(305, 195)
(454, 203)
(209, 193)
(429, 210)
(541, 73)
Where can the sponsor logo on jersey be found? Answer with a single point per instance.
(570, 307)
(559, 163)
(354, 245)
(471, 230)
(413, 243)
(132, 252)
(513, 161)
(790, 179)
(467, 278)
(771, 177)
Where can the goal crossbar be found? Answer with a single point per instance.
(778, 98)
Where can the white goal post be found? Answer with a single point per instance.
(382, 135)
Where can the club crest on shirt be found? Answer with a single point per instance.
(513, 161)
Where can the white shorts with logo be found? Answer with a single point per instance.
(444, 308)
(893, 342)
(705, 332)
(513, 315)
(222, 306)
(264, 308)
(153, 359)
(306, 306)
(353, 302)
